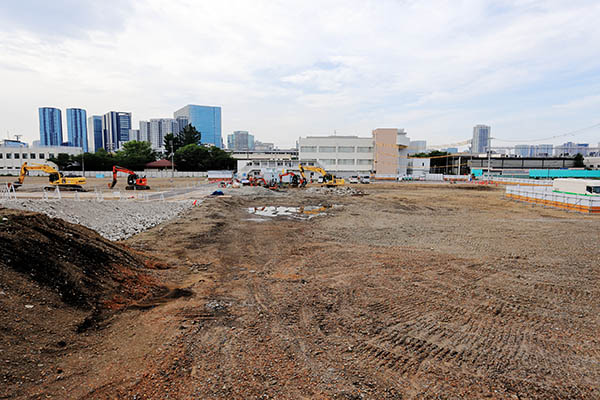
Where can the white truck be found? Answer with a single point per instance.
(588, 187)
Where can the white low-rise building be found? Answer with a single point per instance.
(12, 157)
(343, 156)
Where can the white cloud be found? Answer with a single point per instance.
(284, 69)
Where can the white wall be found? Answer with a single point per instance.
(19, 155)
(343, 156)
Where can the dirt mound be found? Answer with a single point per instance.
(57, 280)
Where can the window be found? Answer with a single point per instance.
(364, 162)
(1, 155)
(346, 149)
(326, 149)
(345, 161)
(32, 156)
(361, 149)
(327, 161)
(25, 155)
(42, 156)
(8, 155)
(308, 149)
(17, 156)
(593, 189)
(51, 155)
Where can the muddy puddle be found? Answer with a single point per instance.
(302, 212)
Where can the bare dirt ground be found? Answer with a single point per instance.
(410, 292)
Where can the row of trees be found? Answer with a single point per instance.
(189, 156)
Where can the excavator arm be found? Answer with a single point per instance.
(55, 177)
(328, 179)
(133, 180)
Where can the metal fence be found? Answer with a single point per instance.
(546, 197)
(521, 182)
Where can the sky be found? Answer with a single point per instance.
(283, 69)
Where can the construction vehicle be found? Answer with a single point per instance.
(328, 180)
(134, 182)
(56, 178)
(295, 179)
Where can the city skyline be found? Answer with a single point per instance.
(509, 65)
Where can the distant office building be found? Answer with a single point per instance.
(206, 120)
(50, 126)
(156, 130)
(343, 156)
(115, 129)
(524, 150)
(94, 127)
(481, 135)
(571, 149)
(390, 153)
(240, 141)
(417, 146)
(182, 122)
(76, 128)
(544, 150)
(260, 146)
(134, 134)
(144, 134)
(13, 143)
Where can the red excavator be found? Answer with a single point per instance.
(295, 179)
(134, 182)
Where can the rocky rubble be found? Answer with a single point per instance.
(114, 220)
(338, 191)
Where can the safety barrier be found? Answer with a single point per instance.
(521, 182)
(547, 198)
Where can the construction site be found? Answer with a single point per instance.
(190, 289)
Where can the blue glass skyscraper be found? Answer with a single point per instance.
(76, 128)
(50, 126)
(95, 129)
(115, 129)
(206, 120)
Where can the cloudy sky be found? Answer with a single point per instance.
(284, 69)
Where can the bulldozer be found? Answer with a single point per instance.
(56, 178)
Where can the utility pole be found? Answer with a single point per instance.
(172, 159)
(489, 149)
(18, 137)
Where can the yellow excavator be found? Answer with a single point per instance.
(56, 178)
(328, 179)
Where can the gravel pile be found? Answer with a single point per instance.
(338, 191)
(114, 220)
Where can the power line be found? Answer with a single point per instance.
(572, 133)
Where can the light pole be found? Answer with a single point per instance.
(489, 149)
(172, 158)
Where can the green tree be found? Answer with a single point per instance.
(578, 161)
(188, 135)
(171, 143)
(135, 155)
(191, 158)
(62, 160)
(220, 159)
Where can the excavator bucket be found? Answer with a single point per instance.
(112, 184)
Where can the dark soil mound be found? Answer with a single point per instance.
(84, 269)
(58, 280)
